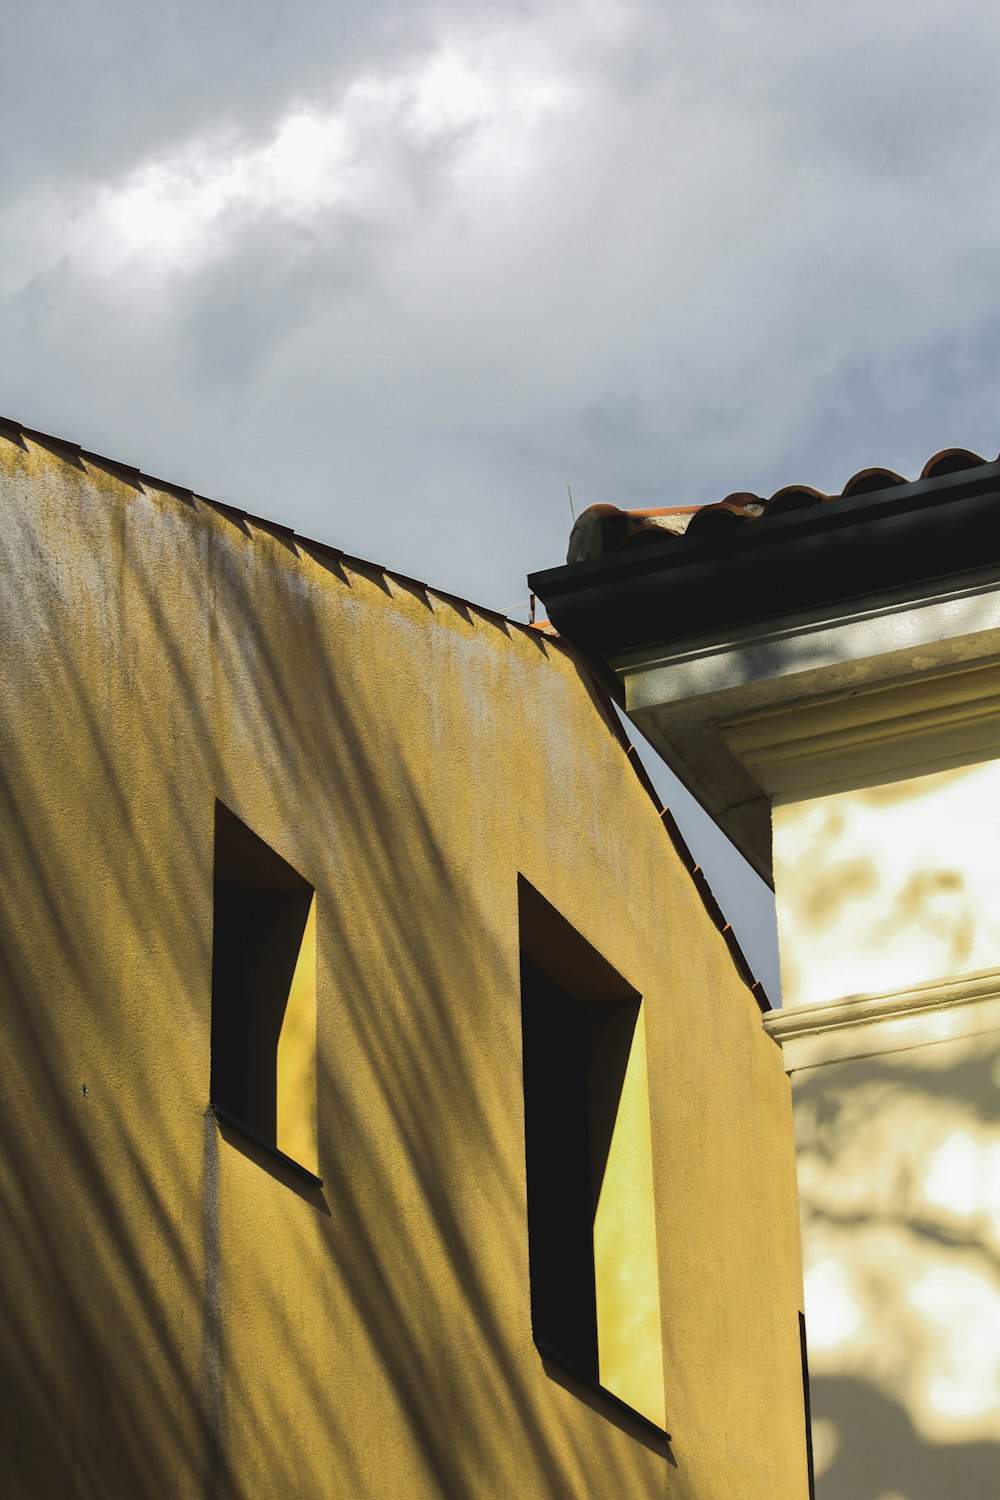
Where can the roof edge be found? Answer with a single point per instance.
(138, 478)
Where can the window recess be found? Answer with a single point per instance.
(263, 1065)
(594, 1281)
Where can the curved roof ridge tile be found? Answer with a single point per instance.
(868, 481)
(741, 502)
(951, 461)
(794, 497)
(605, 528)
(721, 513)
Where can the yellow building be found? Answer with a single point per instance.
(385, 1110)
(823, 672)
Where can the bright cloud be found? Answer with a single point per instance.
(174, 213)
(427, 263)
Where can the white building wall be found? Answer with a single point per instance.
(899, 1183)
(888, 902)
(883, 887)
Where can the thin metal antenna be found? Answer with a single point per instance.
(528, 604)
(572, 512)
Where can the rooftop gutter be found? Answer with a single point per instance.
(754, 570)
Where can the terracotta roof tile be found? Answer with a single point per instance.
(603, 529)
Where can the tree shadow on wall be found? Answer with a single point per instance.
(153, 1340)
(870, 1133)
(896, 1460)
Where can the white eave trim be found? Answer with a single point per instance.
(833, 648)
(894, 1021)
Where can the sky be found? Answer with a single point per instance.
(396, 274)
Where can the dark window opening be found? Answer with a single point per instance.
(807, 1405)
(560, 1188)
(262, 906)
(578, 1022)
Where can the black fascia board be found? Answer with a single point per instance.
(835, 552)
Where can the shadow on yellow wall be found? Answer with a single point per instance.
(182, 1312)
(177, 1321)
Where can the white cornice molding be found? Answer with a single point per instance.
(820, 702)
(919, 724)
(894, 1021)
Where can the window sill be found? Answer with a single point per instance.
(233, 1122)
(616, 1403)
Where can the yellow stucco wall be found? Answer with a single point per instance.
(180, 1317)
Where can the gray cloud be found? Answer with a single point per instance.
(92, 84)
(394, 274)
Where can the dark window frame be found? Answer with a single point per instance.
(260, 908)
(596, 1010)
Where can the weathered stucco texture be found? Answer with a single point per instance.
(181, 1316)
